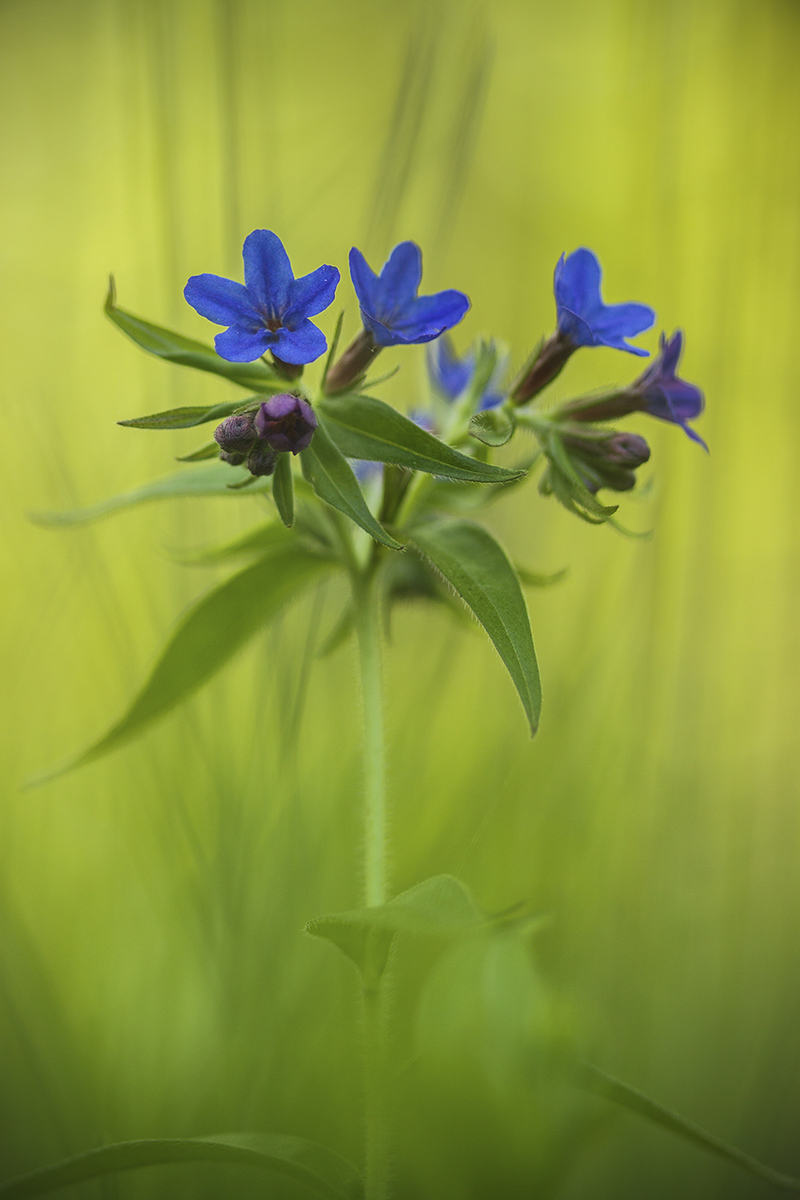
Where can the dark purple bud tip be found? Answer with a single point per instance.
(261, 461)
(236, 434)
(286, 423)
(627, 450)
(235, 459)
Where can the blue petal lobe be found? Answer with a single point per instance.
(399, 279)
(622, 320)
(242, 345)
(310, 295)
(577, 282)
(267, 270)
(222, 301)
(450, 374)
(364, 279)
(432, 315)
(574, 328)
(301, 345)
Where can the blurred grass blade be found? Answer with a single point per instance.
(212, 480)
(476, 566)
(283, 490)
(332, 478)
(183, 418)
(210, 450)
(174, 347)
(319, 1170)
(206, 638)
(364, 427)
(441, 906)
(605, 1085)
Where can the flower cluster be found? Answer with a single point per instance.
(272, 311)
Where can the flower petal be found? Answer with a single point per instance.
(618, 321)
(310, 295)
(243, 345)
(222, 301)
(267, 270)
(449, 373)
(429, 316)
(576, 282)
(301, 345)
(364, 279)
(399, 279)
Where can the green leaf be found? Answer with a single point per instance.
(568, 487)
(210, 450)
(363, 427)
(184, 418)
(259, 542)
(337, 333)
(602, 1084)
(475, 565)
(537, 578)
(439, 907)
(283, 490)
(212, 480)
(319, 1170)
(332, 478)
(493, 426)
(179, 349)
(208, 636)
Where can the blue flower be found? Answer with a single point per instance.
(451, 375)
(583, 318)
(391, 309)
(665, 396)
(270, 310)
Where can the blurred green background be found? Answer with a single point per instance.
(155, 981)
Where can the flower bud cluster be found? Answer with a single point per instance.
(284, 424)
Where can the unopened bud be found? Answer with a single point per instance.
(261, 460)
(286, 422)
(236, 434)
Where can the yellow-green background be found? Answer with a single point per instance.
(154, 981)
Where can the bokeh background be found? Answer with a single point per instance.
(155, 981)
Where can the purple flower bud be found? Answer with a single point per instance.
(626, 450)
(234, 459)
(236, 435)
(261, 461)
(605, 459)
(286, 423)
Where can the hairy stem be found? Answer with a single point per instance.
(375, 880)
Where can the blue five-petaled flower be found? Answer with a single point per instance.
(583, 318)
(390, 307)
(666, 396)
(271, 310)
(452, 374)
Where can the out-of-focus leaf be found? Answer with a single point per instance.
(538, 579)
(183, 418)
(493, 426)
(332, 478)
(210, 450)
(440, 907)
(602, 1084)
(208, 636)
(256, 543)
(283, 489)
(564, 482)
(334, 346)
(363, 427)
(179, 349)
(319, 1170)
(339, 634)
(212, 480)
(476, 566)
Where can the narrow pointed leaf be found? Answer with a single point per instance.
(283, 489)
(206, 638)
(332, 478)
(183, 418)
(212, 480)
(318, 1170)
(210, 450)
(440, 907)
(363, 427)
(597, 1081)
(256, 543)
(474, 564)
(539, 578)
(174, 347)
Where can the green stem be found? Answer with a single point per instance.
(375, 878)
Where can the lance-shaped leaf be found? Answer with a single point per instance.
(440, 907)
(317, 1169)
(179, 349)
(210, 450)
(208, 636)
(363, 427)
(256, 543)
(602, 1084)
(332, 478)
(213, 480)
(283, 489)
(184, 418)
(474, 564)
